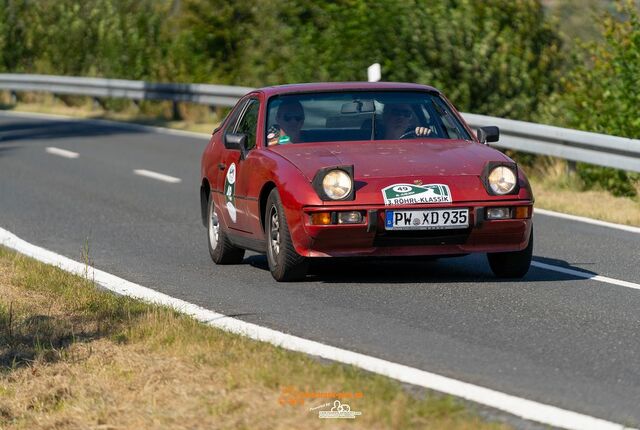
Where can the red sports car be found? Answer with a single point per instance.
(360, 169)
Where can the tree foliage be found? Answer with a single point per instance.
(115, 38)
(497, 57)
(16, 53)
(600, 93)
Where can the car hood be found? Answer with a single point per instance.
(389, 159)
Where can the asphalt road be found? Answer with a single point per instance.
(553, 338)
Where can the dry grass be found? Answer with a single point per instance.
(592, 204)
(555, 188)
(72, 356)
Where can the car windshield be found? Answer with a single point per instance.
(361, 115)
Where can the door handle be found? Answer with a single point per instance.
(222, 166)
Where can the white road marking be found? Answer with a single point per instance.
(158, 176)
(630, 228)
(62, 152)
(586, 275)
(527, 409)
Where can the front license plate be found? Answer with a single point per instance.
(432, 219)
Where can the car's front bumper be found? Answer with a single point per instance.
(372, 239)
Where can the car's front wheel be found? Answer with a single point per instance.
(221, 249)
(512, 264)
(285, 263)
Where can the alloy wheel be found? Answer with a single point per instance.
(214, 228)
(274, 232)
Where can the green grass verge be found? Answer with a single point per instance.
(74, 356)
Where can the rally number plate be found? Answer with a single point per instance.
(432, 219)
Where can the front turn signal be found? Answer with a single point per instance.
(523, 212)
(321, 218)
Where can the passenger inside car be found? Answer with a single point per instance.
(359, 116)
(289, 122)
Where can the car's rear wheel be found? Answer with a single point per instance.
(512, 264)
(285, 263)
(221, 249)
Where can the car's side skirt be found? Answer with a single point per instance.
(247, 243)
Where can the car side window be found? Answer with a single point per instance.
(454, 129)
(249, 123)
(233, 116)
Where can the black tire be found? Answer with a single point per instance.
(285, 263)
(221, 249)
(512, 264)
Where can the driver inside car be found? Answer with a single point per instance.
(396, 121)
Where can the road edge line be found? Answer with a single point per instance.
(586, 275)
(597, 222)
(526, 409)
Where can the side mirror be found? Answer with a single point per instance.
(488, 134)
(236, 141)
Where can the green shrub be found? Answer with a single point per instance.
(601, 93)
(499, 57)
(496, 57)
(16, 51)
(618, 182)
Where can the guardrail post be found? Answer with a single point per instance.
(571, 167)
(13, 97)
(176, 111)
(97, 103)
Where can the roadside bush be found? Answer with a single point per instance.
(618, 182)
(601, 93)
(16, 53)
(496, 57)
(110, 38)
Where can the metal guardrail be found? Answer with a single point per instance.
(575, 145)
(594, 148)
(213, 95)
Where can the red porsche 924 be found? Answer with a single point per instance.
(360, 169)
